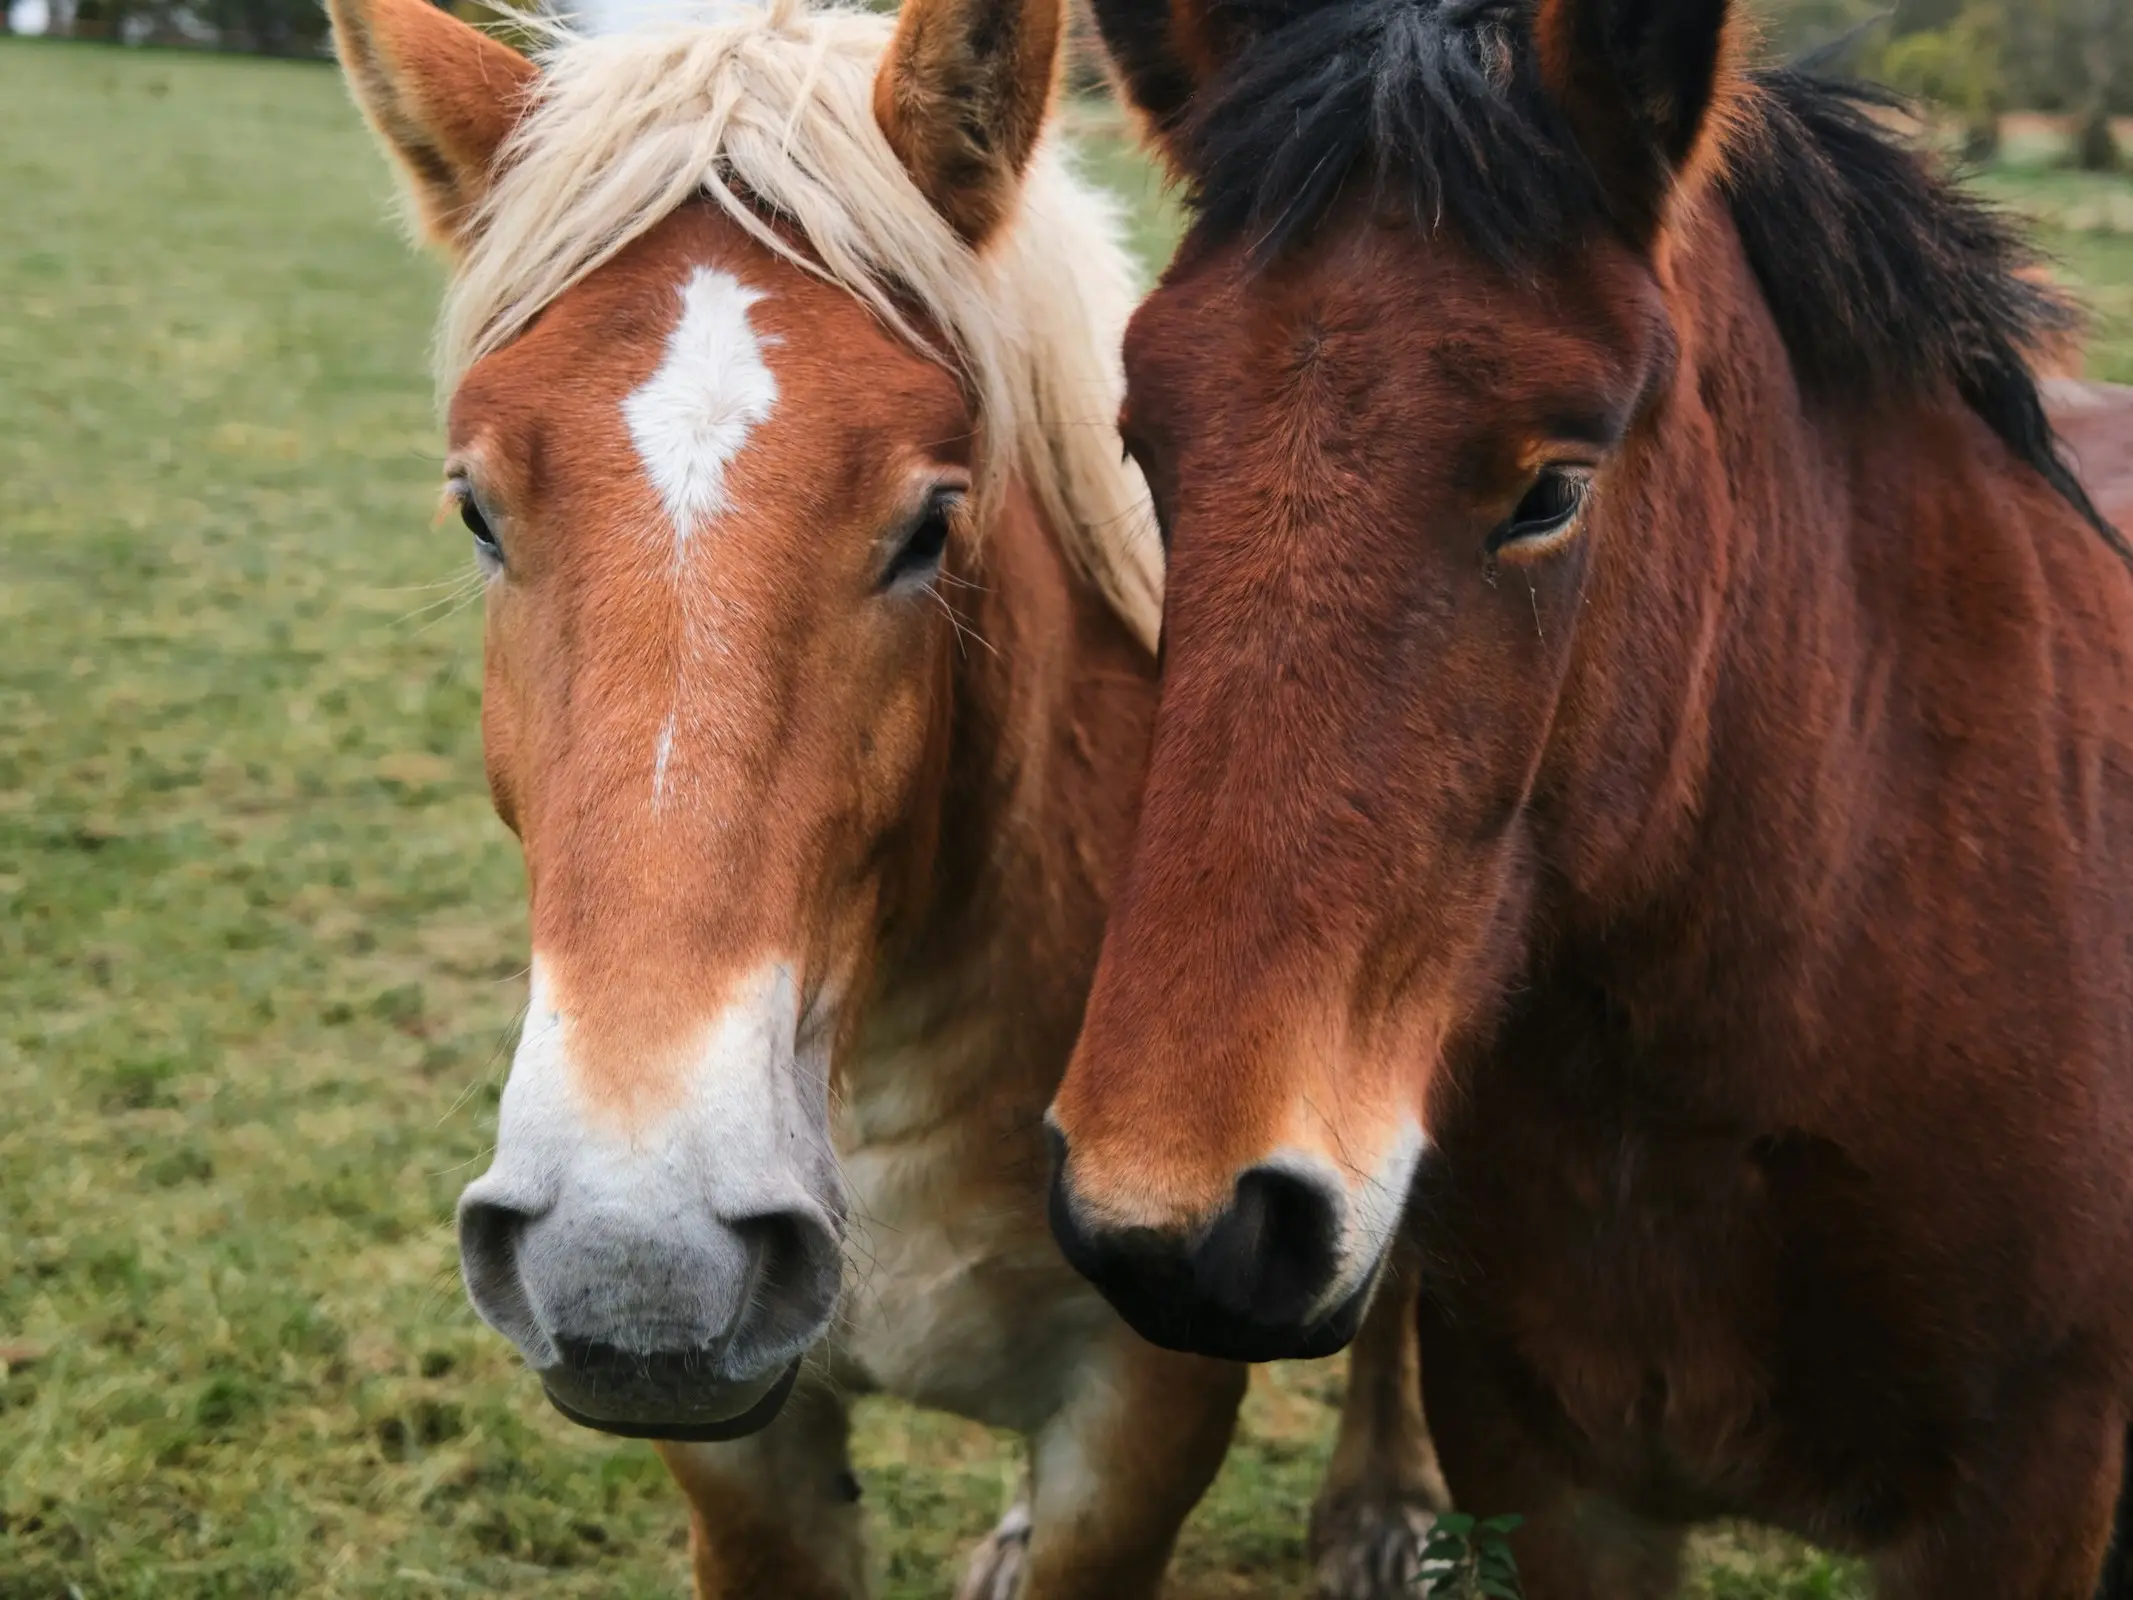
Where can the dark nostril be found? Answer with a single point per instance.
(1247, 1289)
(777, 1244)
(795, 1267)
(489, 1235)
(1094, 1257)
(1273, 1253)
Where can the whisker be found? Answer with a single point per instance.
(464, 590)
(453, 582)
(516, 1026)
(465, 602)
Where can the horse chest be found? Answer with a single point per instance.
(1703, 1316)
(956, 1297)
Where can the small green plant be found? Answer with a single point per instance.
(1469, 1558)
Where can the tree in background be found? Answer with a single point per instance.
(1973, 58)
(258, 27)
(1976, 59)
(1960, 67)
(2105, 42)
(1795, 28)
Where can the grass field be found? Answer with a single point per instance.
(261, 939)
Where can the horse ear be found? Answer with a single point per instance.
(442, 97)
(962, 96)
(1161, 52)
(1645, 84)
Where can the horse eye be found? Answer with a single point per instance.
(1156, 502)
(918, 558)
(477, 523)
(1548, 509)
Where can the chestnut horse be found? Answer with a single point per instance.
(1646, 746)
(781, 353)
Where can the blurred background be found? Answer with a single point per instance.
(261, 942)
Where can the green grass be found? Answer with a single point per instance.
(2084, 224)
(261, 940)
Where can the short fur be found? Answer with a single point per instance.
(968, 103)
(405, 65)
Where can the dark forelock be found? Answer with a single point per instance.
(1884, 276)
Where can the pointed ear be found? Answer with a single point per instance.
(441, 95)
(1645, 84)
(962, 96)
(1160, 53)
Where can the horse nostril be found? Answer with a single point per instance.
(796, 1266)
(1089, 1251)
(1250, 1287)
(489, 1236)
(1274, 1252)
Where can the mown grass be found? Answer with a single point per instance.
(261, 940)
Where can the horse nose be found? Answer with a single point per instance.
(671, 1326)
(1248, 1286)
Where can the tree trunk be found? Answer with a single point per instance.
(1981, 138)
(2094, 148)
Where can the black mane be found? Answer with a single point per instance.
(1885, 277)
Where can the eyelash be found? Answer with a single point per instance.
(487, 546)
(918, 558)
(1551, 508)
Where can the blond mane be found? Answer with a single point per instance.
(773, 110)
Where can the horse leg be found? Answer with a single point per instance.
(1112, 1478)
(776, 1513)
(1571, 1544)
(2031, 1517)
(1383, 1488)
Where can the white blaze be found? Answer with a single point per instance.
(694, 415)
(661, 755)
(741, 1095)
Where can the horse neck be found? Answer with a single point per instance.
(1048, 721)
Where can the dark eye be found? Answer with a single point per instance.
(1157, 502)
(486, 544)
(1162, 518)
(918, 557)
(1550, 508)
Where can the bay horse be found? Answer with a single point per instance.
(781, 351)
(1645, 753)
